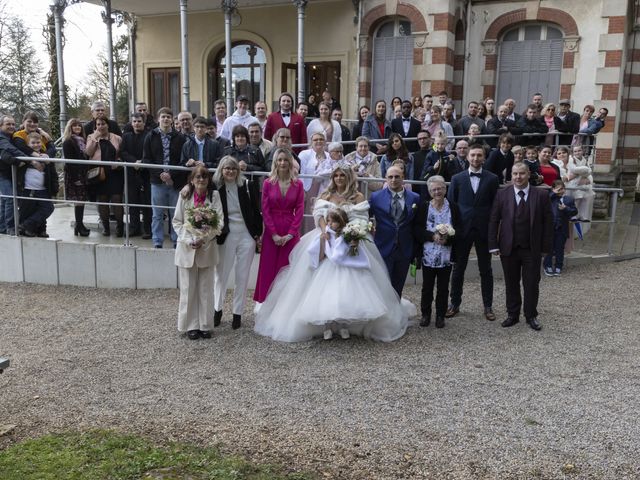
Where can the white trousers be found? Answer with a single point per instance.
(194, 311)
(239, 249)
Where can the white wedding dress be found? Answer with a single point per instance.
(304, 300)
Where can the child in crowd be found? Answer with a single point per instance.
(501, 160)
(531, 161)
(518, 154)
(40, 182)
(563, 208)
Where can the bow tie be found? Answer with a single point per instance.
(406, 119)
(473, 174)
(285, 114)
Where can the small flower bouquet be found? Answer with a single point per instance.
(445, 230)
(355, 231)
(202, 222)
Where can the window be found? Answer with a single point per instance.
(248, 63)
(530, 60)
(392, 60)
(164, 89)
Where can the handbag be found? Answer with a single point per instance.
(96, 175)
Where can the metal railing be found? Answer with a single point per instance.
(613, 193)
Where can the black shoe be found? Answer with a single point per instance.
(28, 233)
(120, 230)
(146, 236)
(439, 322)
(425, 321)
(534, 323)
(205, 334)
(42, 234)
(452, 311)
(510, 321)
(488, 314)
(193, 334)
(81, 230)
(217, 318)
(106, 229)
(235, 324)
(135, 232)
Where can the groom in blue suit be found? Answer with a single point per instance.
(394, 210)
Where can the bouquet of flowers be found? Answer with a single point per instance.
(202, 221)
(445, 230)
(355, 231)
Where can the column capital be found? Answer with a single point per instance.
(229, 6)
(300, 3)
(58, 6)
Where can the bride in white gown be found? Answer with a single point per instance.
(304, 301)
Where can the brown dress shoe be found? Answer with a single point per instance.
(452, 311)
(489, 315)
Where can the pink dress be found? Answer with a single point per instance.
(281, 216)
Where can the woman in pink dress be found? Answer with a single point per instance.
(282, 211)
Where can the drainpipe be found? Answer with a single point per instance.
(106, 18)
(185, 56)
(228, 7)
(301, 4)
(465, 74)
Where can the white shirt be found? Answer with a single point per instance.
(475, 181)
(236, 119)
(286, 118)
(308, 165)
(526, 193)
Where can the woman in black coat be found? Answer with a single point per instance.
(75, 176)
(237, 242)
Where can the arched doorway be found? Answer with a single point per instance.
(248, 62)
(530, 61)
(392, 60)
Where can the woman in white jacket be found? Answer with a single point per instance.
(325, 125)
(196, 255)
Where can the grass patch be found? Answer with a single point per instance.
(104, 454)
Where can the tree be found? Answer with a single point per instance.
(22, 78)
(97, 80)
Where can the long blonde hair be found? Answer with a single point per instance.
(67, 129)
(273, 176)
(351, 192)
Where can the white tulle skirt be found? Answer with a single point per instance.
(304, 301)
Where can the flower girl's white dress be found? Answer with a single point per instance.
(347, 292)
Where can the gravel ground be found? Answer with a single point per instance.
(470, 401)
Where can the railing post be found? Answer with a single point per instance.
(612, 226)
(126, 205)
(14, 192)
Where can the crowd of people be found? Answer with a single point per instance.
(299, 224)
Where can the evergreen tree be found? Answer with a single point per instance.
(22, 78)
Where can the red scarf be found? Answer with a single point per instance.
(198, 200)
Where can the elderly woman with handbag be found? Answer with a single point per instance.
(197, 220)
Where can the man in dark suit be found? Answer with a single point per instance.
(394, 210)
(571, 121)
(99, 110)
(520, 231)
(286, 118)
(499, 125)
(510, 103)
(407, 126)
(420, 156)
(473, 191)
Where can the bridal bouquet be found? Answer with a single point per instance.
(445, 229)
(202, 221)
(355, 231)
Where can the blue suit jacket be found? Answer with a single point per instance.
(389, 235)
(475, 208)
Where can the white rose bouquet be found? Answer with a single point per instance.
(445, 229)
(354, 232)
(202, 222)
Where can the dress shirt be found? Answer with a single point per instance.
(286, 118)
(200, 144)
(400, 197)
(475, 181)
(406, 123)
(526, 193)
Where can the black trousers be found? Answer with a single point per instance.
(139, 190)
(438, 277)
(463, 248)
(523, 265)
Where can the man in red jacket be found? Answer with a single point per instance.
(286, 118)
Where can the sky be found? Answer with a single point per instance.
(86, 34)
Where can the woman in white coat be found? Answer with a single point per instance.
(196, 255)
